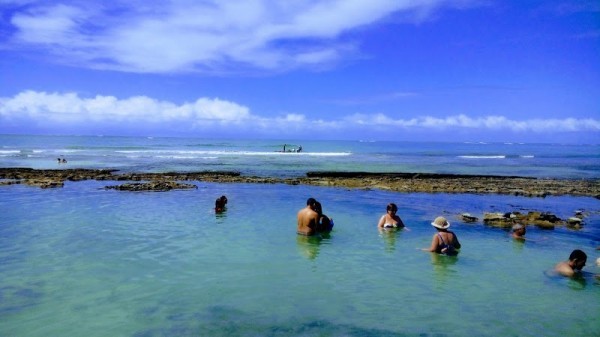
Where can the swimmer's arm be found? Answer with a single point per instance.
(402, 225)
(456, 243)
(381, 221)
(434, 244)
(314, 222)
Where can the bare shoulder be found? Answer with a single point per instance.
(563, 268)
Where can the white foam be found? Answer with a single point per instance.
(482, 157)
(213, 153)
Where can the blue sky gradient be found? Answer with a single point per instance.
(466, 70)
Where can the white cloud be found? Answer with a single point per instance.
(44, 107)
(59, 109)
(209, 36)
(492, 123)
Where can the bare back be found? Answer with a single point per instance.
(442, 238)
(307, 221)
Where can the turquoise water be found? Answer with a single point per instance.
(84, 261)
(260, 157)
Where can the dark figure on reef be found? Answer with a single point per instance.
(220, 204)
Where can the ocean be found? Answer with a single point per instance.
(82, 260)
(265, 157)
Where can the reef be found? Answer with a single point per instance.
(397, 182)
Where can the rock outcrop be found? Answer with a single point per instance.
(159, 186)
(397, 182)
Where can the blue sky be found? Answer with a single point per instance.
(465, 70)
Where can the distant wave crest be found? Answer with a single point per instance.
(212, 153)
(482, 157)
(495, 156)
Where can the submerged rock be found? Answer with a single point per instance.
(574, 222)
(544, 220)
(498, 219)
(158, 186)
(467, 217)
(45, 183)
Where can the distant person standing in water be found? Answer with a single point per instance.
(220, 204)
(573, 266)
(519, 232)
(390, 219)
(308, 218)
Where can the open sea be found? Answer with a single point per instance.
(85, 261)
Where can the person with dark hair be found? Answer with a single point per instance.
(220, 204)
(390, 219)
(308, 218)
(573, 266)
(325, 223)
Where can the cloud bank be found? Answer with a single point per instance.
(202, 36)
(99, 114)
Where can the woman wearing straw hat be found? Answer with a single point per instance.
(444, 241)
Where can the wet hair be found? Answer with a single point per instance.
(578, 254)
(391, 206)
(221, 202)
(311, 201)
(318, 208)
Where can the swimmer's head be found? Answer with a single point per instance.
(519, 229)
(578, 258)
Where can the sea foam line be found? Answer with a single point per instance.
(482, 157)
(231, 153)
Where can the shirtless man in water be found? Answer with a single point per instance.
(572, 267)
(308, 218)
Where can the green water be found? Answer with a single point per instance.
(83, 261)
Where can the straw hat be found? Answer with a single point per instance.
(440, 222)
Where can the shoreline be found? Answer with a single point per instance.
(396, 182)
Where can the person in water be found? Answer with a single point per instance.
(308, 218)
(573, 266)
(220, 204)
(325, 223)
(444, 241)
(518, 232)
(390, 219)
